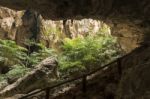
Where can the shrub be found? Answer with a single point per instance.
(11, 53)
(37, 56)
(17, 71)
(87, 53)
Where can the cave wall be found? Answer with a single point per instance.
(101, 9)
(131, 34)
(7, 20)
(30, 29)
(20, 25)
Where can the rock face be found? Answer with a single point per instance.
(56, 31)
(44, 74)
(7, 19)
(131, 34)
(56, 9)
(20, 25)
(30, 28)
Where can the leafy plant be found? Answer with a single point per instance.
(17, 71)
(11, 53)
(37, 56)
(88, 53)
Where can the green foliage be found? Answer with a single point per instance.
(37, 56)
(2, 78)
(53, 34)
(12, 56)
(18, 59)
(78, 54)
(11, 53)
(86, 53)
(17, 71)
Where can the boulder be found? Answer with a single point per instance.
(44, 75)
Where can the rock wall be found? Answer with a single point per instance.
(131, 34)
(65, 9)
(30, 28)
(7, 19)
(55, 31)
(19, 25)
(44, 74)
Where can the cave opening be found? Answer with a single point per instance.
(128, 21)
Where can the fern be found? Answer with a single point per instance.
(88, 52)
(11, 53)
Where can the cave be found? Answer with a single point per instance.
(129, 21)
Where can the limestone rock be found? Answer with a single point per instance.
(44, 74)
(7, 18)
(30, 27)
(19, 25)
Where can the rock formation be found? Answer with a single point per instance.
(44, 74)
(20, 25)
(30, 28)
(7, 19)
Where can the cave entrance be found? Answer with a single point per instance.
(85, 43)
